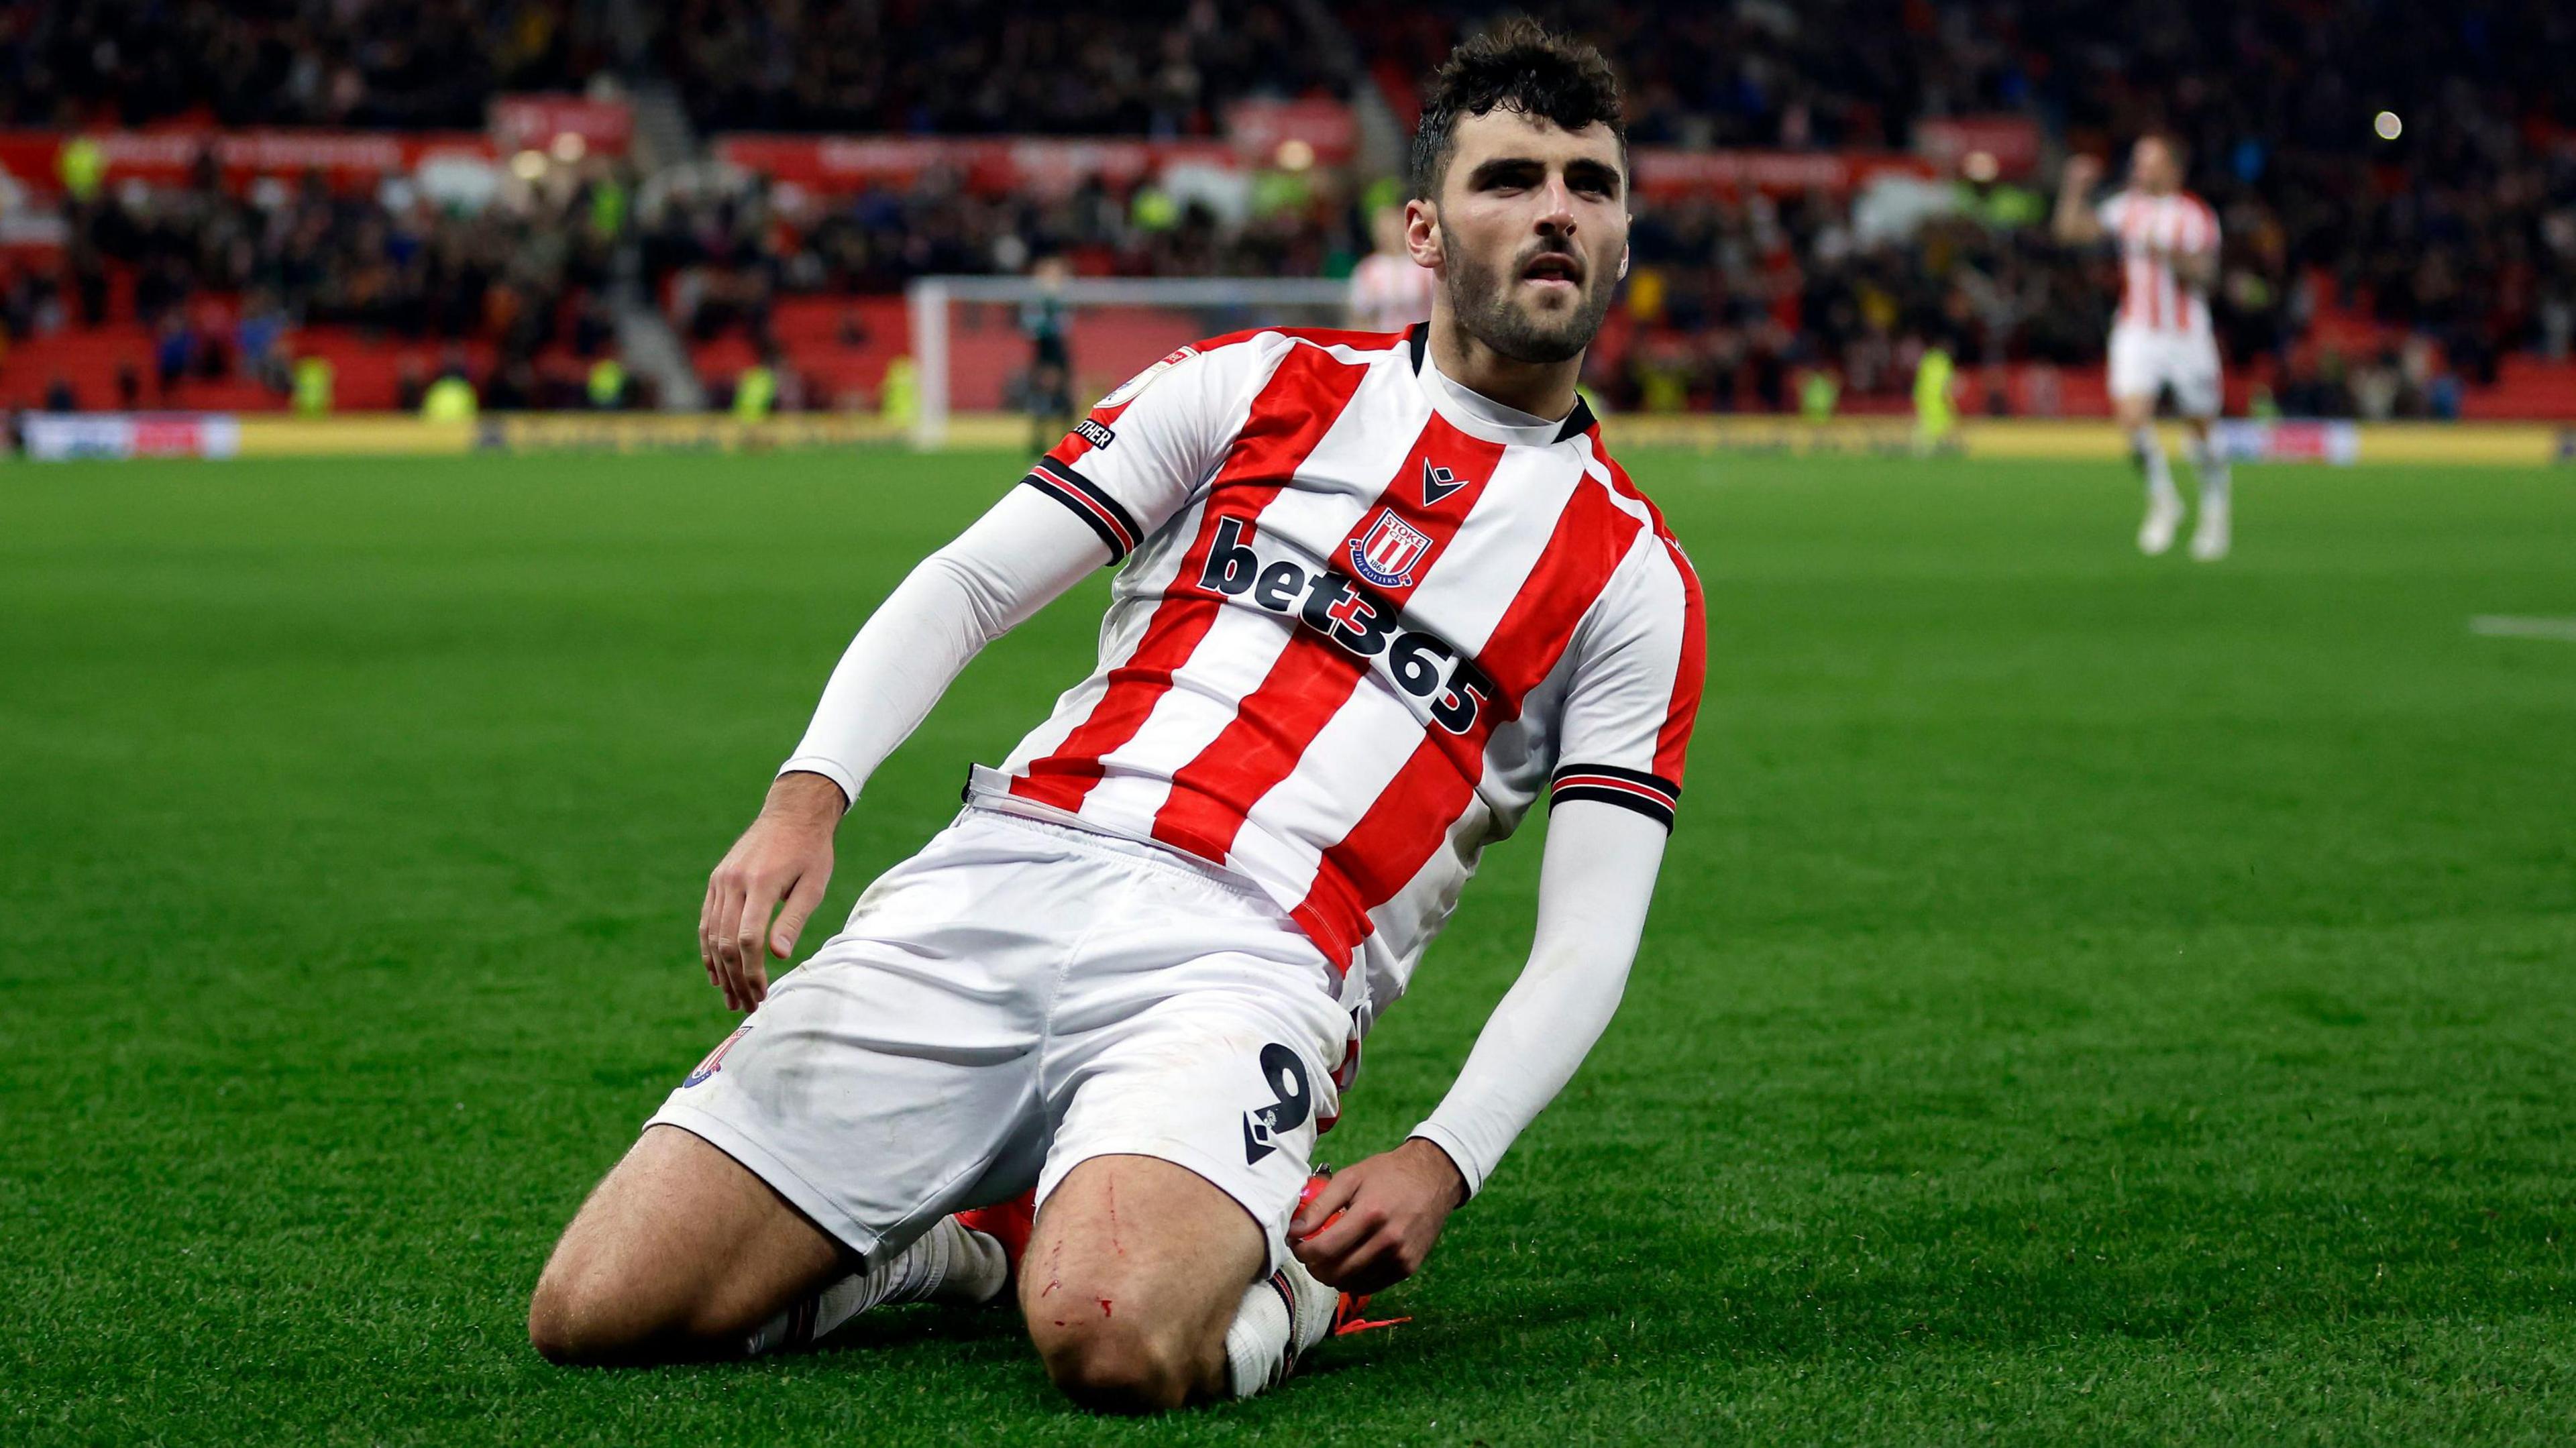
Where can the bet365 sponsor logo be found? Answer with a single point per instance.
(1333, 604)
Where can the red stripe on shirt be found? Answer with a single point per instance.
(2128, 264)
(2203, 237)
(1074, 444)
(1287, 420)
(2175, 318)
(1690, 676)
(1690, 671)
(1412, 816)
(2156, 273)
(1314, 677)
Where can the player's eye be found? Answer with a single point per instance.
(1591, 181)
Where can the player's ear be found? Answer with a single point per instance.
(1422, 232)
(1623, 261)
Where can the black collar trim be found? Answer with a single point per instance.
(1578, 422)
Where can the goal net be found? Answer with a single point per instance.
(982, 345)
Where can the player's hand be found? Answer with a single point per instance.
(1374, 1223)
(2082, 170)
(786, 855)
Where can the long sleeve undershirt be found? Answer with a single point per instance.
(1016, 559)
(1594, 881)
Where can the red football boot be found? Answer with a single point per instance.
(1007, 1223)
(1346, 1317)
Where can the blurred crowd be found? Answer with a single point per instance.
(219, 276)
(984, 67)
(2460, 229)
(2441, 234)
(418, 64)
(722, 253)
(2412, 165)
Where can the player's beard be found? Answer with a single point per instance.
(1485, 303)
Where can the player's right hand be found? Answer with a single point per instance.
(786, 856)
(2082, 170)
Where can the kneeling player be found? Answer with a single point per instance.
(1378, 592)
(2168, 241)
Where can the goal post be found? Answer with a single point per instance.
(970, 343)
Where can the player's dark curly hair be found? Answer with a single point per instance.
(1518, 65)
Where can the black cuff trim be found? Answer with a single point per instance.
(1117, 511)
(1650, 795)
(1082, 507)
(1075, 504)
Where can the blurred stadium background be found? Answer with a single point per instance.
(608, 204)
(2090, 998)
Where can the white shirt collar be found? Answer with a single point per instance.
(1477, 415)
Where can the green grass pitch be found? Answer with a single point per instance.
(2091, 998)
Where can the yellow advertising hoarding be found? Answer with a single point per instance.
(2509, 444)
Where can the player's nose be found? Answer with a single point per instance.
(1556, 208)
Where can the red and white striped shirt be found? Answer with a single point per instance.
(2151, 296)
(1357, 631)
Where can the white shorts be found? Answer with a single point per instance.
(2144, 360)
(1014, 1000)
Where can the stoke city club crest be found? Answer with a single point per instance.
(1389, 551)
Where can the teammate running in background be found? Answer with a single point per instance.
(1380, 592)
(1389, 290)
(2168, 240)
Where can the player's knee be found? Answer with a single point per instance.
(558, 1326)
(577, 1318)
(1113, 1363)
(1109, 1368)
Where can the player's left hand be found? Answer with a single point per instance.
(781, 864)
(1374, 1222)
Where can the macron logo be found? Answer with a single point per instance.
(1437, 483)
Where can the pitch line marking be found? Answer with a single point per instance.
(2507, 626)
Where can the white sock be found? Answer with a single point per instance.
(2211, 464)
(1258, 1348)
(948, 1263)
(2151, 456)
(1282, 1315)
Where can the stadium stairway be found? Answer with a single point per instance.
(653, 351)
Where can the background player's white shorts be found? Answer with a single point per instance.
(1014, 1000)
(2143, 360)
